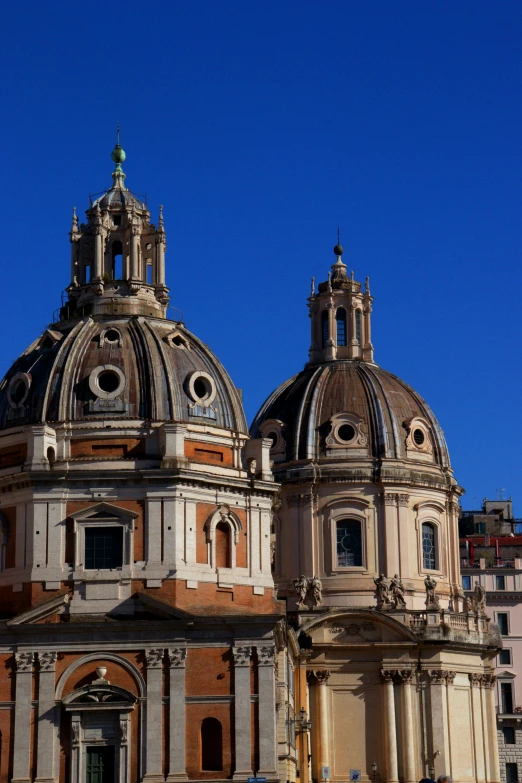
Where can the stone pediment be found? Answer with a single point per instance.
(41, 612)
(355, 628)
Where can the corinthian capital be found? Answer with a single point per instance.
(154, 658)
(177, 657)
(241, 656)
(405, 675)
(318, 677)
(266, 656)
(387, 675)
(24, 661)
(47, 661)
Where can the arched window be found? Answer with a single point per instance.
(211, 745)
(117, 260)
(349, 543)
(358, 325)
(324, 327)
(223, 545)
(340, 319)
(149, 274)
(429, 549)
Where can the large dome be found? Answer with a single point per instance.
(362, 396)
(131, 367)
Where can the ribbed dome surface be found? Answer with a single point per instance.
(154, 359)
(306, 403)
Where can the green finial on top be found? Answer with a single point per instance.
(118, 153)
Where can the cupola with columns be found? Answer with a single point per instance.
(340, 312)
(118, 256)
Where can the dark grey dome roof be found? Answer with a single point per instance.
(149, 364)
(385, 404)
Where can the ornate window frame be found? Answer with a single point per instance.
(414, 450)
(103, 515)
(277, 427)
(336, 446)
(95, 386)
(355, 509)
(433, 513)
(103, 337)
(222, 514)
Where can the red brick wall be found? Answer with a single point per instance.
(108, 447)
(210, 599)
(13, 455)
(209, 672)
(208, 453)
(203, 512)
(195, 715)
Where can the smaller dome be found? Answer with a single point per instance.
(310, 406)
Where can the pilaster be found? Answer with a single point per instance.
(22, 717)
(267, 712)
(242, 713)
(46, 752)
(177, 720)
(319, 679)
(154, 716)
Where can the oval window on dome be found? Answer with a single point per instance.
(201, 388)
(107, 381)
(18, 389)
(419, 437)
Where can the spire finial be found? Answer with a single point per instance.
(338, 249)
(118, 155)
(160, 221)
(313, 287)
(74, 219)
(367, 285)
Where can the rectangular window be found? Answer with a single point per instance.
(509, 735)
(511, 773)
(349, 543)
(504, 657)
(500, 582)
(466, 583)
(502, 622)
(506, 698)
(116, 219)
(103, 547)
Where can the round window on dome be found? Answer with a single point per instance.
(107, 381)
(201, 388)
(112, 336)
(273, 437)
(18, 389)
(419, 437)
(346, 433)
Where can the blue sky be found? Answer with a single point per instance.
(261, 127)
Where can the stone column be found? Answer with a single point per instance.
(22, 717)
(160, 261)
(489, 681)
(267, 712)
(439, 720)
(177, 769)
(404, 561)
(478, 737)
(134, 258)
(408, 735)
(46, 753)
(98, 253)
(392, 767)
(242, 713)
(391, 533)
(319, 679)
(154, 719)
